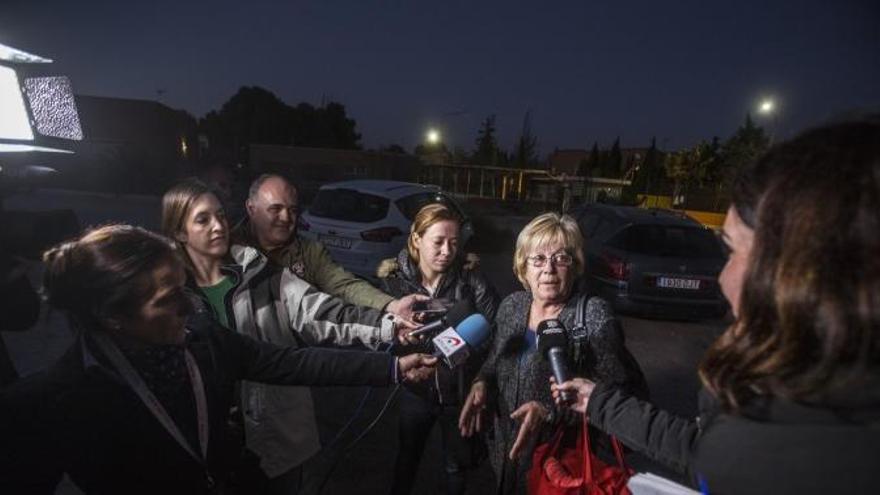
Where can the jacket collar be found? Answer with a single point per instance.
(246, 256)
(243, 235)
(409, 271)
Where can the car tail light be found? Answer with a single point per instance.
(618, 269)
(382, 234)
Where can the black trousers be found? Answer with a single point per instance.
(417, 417)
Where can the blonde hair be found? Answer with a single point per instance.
(543, 230)
(176, 204)
(425, 218)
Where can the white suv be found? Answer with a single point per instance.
(362, 222)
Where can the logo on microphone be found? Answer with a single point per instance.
(452, 341)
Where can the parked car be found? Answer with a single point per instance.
(362, 222)
(652, 262)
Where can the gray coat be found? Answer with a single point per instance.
(272, 304)
(513, 382)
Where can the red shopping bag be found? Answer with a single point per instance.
(576, 471)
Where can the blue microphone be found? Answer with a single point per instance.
(454, 345)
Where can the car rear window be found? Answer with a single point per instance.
(410, 205)
(349, 205)
(665, 240)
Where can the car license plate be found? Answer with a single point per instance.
(678, 283)
(333, 241)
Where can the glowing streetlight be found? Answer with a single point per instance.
(433, 136)
(767, 107)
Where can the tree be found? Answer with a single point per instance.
(460, 156)
(487, 152)
(746, 145)
(612, 165)
(691, 167)
(252, 115)
(255, 115)
(592, 166)
(526, 153)
(648, 173)
(393, 148)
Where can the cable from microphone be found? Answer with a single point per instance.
(552, 344)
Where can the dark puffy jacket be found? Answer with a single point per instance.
(771, 446)
(401, 277)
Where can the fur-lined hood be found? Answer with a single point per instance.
(403, 263)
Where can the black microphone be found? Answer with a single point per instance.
(456, 314)
(552, 344)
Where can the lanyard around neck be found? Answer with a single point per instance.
(134, 380)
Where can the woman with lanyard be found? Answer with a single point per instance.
(139, 404)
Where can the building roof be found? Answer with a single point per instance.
(123, 119)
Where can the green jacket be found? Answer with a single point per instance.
(311, 261)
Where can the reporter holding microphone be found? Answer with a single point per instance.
(791, 391)
(547, 260)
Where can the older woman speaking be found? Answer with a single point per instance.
(547, 261)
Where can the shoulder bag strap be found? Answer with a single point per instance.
(579, 333)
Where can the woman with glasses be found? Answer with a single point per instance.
(547, 261)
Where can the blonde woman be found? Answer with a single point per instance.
(547, 261)
(431, 264)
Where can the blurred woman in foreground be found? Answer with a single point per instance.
(139, 404)
(791, 400)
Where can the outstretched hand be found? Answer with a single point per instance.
(403, 328)
(403, 307)
(471, 418)
(530, 415)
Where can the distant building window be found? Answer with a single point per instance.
(184, 149)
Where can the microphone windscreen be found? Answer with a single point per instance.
(474, 330)
(459, 312)
(550, 333)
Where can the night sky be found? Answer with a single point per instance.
(588, 71)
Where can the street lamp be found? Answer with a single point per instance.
(768, 109)
(433, 136)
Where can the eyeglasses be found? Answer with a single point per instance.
(558, 259)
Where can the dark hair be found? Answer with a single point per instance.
(809, 313)
(102, 273)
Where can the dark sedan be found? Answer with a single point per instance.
(652, 262)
